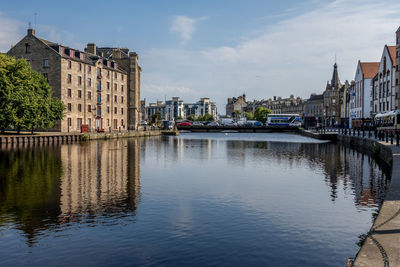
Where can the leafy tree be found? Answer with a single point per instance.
(261, 114)
(238, 113)
(191, 117)
(249, 116)
(200, 118)
(156, 117)
(208, 117)
(26, 100)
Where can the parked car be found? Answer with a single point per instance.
(213, 123)
(197, 123)
(184, 124)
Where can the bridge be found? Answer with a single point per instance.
(239, 129)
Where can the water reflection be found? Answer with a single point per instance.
(49, 186)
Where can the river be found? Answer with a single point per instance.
(198, 199)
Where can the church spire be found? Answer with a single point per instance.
(335, 83)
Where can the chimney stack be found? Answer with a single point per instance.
(31, 32)
(91, 48)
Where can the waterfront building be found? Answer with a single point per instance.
(360, 95)
(153, 108)
(236, 103)
(200, 108)
(129, 62)
(332, 99)
(96, 90)
(314, 108)
(279, 105)
(143, 110)
(345, 104)
(174, 109)
(383, 83)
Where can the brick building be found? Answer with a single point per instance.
(236, 103)
(95, 89)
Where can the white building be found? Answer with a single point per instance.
(360, 95)
(174, 109)
(383, 84)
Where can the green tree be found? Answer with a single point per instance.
(261, 114)
(208, 117)
(191, 117)
(156, 117)
(237, 113)
(249, 116)
(200, 118)
(26, 100)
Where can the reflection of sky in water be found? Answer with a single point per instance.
(203, 199)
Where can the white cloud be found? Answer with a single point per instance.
(184, 26)
(293, 56)
(9, 32)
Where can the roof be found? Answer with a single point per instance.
(369, 69)
(392, 52)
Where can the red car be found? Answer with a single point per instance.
(184, 124)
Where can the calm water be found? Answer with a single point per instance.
(196, 199)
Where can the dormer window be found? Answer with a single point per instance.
(27, 48)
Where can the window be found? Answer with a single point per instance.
(98, 73)
(89, 81)
(69, 93)
(45, 63)
(387, 105)
(122, 87)
(79, 80)
(69, 64)
(108, 98)
(89, 69)
(115, 110)
(115, 123)
(80, 67)
(108, 109)
(122, 111)
(108, 74)
(98, 86)
(115, 75)
(108, 122)
(108, 85)
(89, 108)
(115, 99)
(27, 48)
(69, 122)
(69, 79)
(46, 76)
(89, 96)
(122, 123)
(69, 107)
(79, 107)
(78, 123)
(115, 86)
(122, 99)
(79, 93)
(122, 77)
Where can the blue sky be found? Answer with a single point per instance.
(219, 49)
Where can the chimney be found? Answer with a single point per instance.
(31, 32)
(91, 48)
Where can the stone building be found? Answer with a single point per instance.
(384, 95)
(345, 103)
(332, 99)
(236, 103)
(127, 61)
(95, 89)
(314, 106)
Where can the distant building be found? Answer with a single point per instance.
(236, 103)
(153, 108)
(384, 95)
(345, 104)
(332, 99)
(360, 95)
(314, 107)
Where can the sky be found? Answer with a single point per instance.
(217, 48)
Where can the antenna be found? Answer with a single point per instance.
(29, 25)
(35, 19)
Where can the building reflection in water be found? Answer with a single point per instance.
(44, 187)
(356, 173)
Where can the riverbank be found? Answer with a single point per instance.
(382, 244)
(54, 137)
